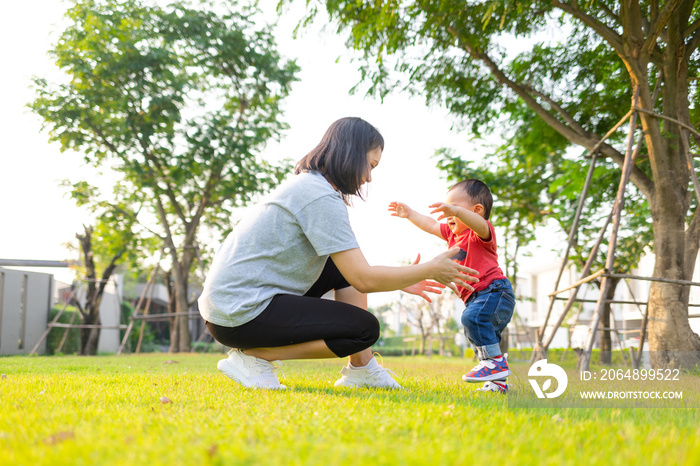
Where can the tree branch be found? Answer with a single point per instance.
(564, 114)
(690, 128)
(611, 14)
(214, 175)
(169, 241)
(168, 188)
(77, 304)
(607, 33)
(169, 192)
(691, 28)
(692, 44)
(501, 78)
(654, 9)
(586, 139)
(658, 24)
(98, 132)
(109, 270)
(692, 240)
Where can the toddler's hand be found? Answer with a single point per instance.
(446, 210)
(399, 209)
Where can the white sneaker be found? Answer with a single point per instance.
(249, 371)
(371, 375)
(498, 387)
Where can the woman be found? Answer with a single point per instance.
(263, 292)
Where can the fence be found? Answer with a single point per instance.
(25, 302)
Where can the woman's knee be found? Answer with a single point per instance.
(364, 334)
(372, 330)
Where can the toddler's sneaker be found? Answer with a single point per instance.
(249, 371)
(498, 387)
(488, 369)
(371, 375)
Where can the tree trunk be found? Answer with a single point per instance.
(606, 346)
(180, 326)
(172, 321)
(605, 340)
(672, 342)
(89, 338)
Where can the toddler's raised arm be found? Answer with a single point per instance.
(474, 221)
(424, 222)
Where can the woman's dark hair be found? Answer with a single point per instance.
(341, 156)
(478, 192)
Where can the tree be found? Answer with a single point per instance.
(90, 313)
(579, 83)
(178, 101)
(414, 312)
(439, 311)
(112, 240)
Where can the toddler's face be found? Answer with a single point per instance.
(459, 198)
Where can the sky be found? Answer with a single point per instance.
(37, 219)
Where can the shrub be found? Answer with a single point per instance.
(53, 340)
(395, 346)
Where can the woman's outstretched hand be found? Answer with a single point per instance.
(451, 273)
(425, 286)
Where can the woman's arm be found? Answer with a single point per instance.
(369, 279)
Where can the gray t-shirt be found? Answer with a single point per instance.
(280, 247)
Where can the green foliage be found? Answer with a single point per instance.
(384, 328)
(533, 183)
(108, 410)
(116, 232)
(179, 100)
(452, 326)
(453, 53)
(202, 347)
(53, 339)
(395, 346)
(72, 343)
(148, 343)
(490, 63)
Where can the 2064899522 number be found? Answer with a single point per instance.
(639, 374)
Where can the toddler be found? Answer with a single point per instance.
(490, 306)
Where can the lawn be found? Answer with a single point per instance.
(177, 409)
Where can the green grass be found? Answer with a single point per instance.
(108, 410)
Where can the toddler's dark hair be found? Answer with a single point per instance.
(478, 192)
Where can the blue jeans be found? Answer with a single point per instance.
(487, 313)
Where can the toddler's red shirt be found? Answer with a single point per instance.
(476, 254)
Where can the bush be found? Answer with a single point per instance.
(72, 343)
(207, 347)
(53, 340)
(395, 346)
(567, 358)
(148, 344)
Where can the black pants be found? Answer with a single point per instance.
(291, 319)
